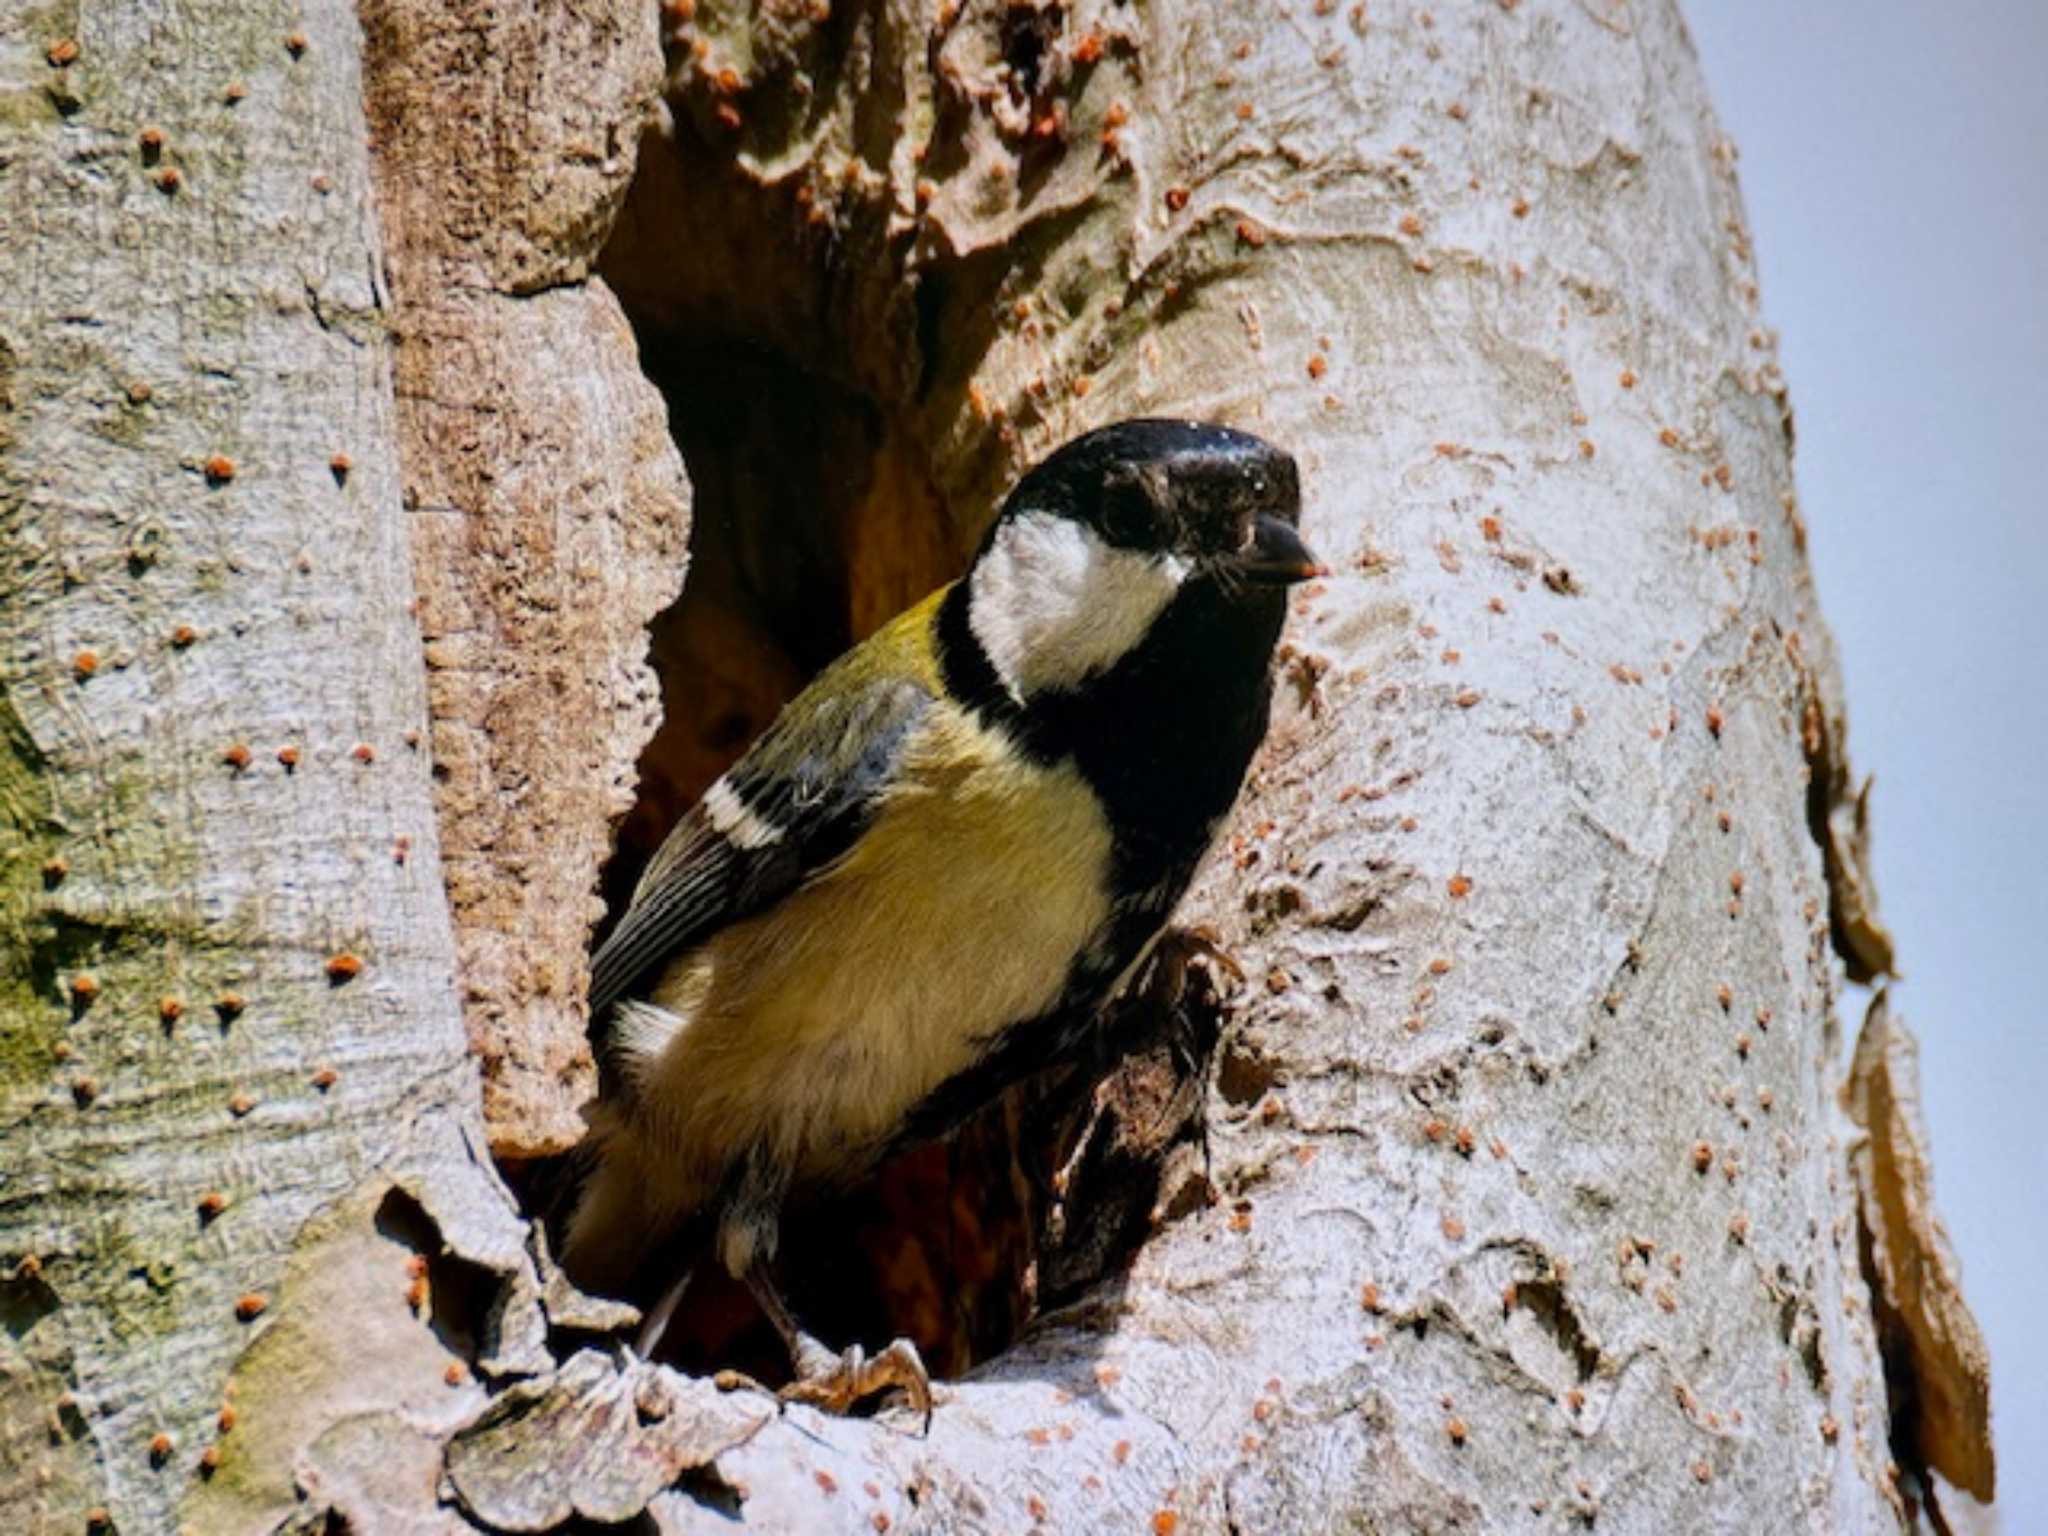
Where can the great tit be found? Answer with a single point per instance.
(928, 877)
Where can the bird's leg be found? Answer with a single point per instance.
(836, 1382)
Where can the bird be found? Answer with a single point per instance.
(930, 874)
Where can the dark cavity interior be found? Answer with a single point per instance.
(804, 406)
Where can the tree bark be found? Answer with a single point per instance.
(237, 1095)
(1534, 1189)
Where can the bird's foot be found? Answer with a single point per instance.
(836, 1382)
(1184, 946)
(1185, 975)
(1164, 980)
(739, 1381)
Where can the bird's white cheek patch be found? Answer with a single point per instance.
(1052, 604)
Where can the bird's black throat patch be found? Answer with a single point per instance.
(1165, 736)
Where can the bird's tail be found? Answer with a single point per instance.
(656, 1320)
(631, 1234)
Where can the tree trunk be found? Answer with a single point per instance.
(237, 1097)
(1527, 1184)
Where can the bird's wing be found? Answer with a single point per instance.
(801, 796)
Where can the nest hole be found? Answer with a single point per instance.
(804, 410)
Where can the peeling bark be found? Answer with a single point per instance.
(592, 1441)
(1527, 1196)
(1935, 1359)
(548, 509)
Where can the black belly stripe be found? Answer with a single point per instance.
(1165, 738)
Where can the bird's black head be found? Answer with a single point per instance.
(1095, 543)
(1177, 488)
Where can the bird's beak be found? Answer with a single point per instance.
(1277, 557)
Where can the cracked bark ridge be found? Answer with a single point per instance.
(548, 510)
(1935, 1355)
(1839, 816)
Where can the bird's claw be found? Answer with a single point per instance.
(836, 1382)
(1163, 980)
(1203, 942)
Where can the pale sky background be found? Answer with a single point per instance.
(1895, 165)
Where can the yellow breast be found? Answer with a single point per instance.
(813, 1029)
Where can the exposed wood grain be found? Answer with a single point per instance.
(549, 515)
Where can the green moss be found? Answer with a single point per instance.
(42, 944)
(28, 1035)
(22, 764)
(29, 1026)
(122, 424)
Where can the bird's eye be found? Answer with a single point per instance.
(1129, 519)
